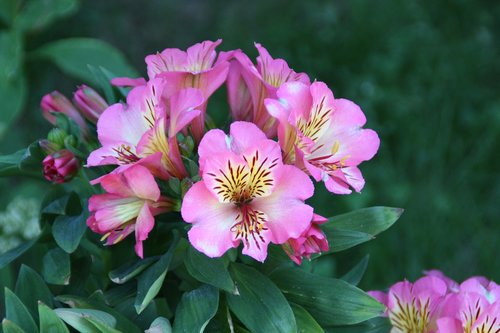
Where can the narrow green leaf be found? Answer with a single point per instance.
(73, 56)
(375, 325)
(329, 301)
(79, 319)
(17, 312)
(129, 270)
(13, 254)
(49, 321)
(102, 327)
(160, 325)
(340, 240)
(38, 14)
(355, 275)
(69, 230)
(305, 322)
(56, 267)
(151, 281)
(10, 327)
(196, 309)
(30, 288)
(212, 271)
(260, 305)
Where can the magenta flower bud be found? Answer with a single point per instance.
(90, 103)
(56, 102)
(60, 166)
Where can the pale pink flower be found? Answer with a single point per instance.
(131, 201)
(60, 167)
(312, 241)
(196, 67)
(90, 103)
(55, 102)
(246, 194)
(322, 135)
(248, 85)
(414, 307)
(144, 130)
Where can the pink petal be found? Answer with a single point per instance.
(143, 225)
(117, 125)
(167, 61)
(245, 135)
(128, 82)
(201, 56)
(213, 142)
(136, 181)
(449, 325)
(182, 109)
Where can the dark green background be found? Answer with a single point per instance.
(426, 73)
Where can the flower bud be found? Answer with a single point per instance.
(57, 137)
(90, 103)
(55, 102)
(60, 166)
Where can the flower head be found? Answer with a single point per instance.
(322, 135)
(248, 85)
(131, 201)
(242, 193)
(60, 167)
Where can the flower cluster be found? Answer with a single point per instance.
(437, 304)
(250, 184)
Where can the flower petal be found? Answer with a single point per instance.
(143, 225)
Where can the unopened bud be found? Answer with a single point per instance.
(60, 166)
(90, 103)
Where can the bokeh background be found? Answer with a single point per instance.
(426, 73)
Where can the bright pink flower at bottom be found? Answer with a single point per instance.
(313, 240)
(130, 204)
(246, 194)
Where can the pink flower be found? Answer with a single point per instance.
(144, 130)
(311, 241)
(450, 283)
(243, 194)
(90, 103)
(248, 85)
(60, 167)
(322, 135)
(55, 102)
(414, 307)
(195, 68)
(130, 204)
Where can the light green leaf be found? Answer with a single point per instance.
(129, 270)
(10, 327)
(30, 288)
(17, 312)
(355, 275)
(260, 305)
(38, 14)
(329, 301)
(79, 319)
(212, 271)
(305, 322)
(49, 321)
(151, 281)
(160, 325)
(56, 267)
(196, 309)
(73, 56)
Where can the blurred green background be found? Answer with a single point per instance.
(426, 73)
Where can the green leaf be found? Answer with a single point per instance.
(340, 240)
(17, 312)
(196, 309)
(23, 162)
(355, 275)
(61, 203)
(260, 305)
(329, 301)
(375, 325)
(84, 320)
(38, 14)
(13, 86)
(8, 9)
(10, 327)
(49, 321)
(68, 231)
(212, 271)
(30, 288)
(73, 56)
(128, 271)
(160, 325)
(56, 267)
(151, 281)
(305, 322)
(13, 254)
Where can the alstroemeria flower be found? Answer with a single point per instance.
(144, 130)
(323, 135)
(413, 307)
(246, 194)
(131, 201)
(55, 102)
(248, 85)
(195, 68)
(312, 241)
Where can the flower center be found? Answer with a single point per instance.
(250, 224)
